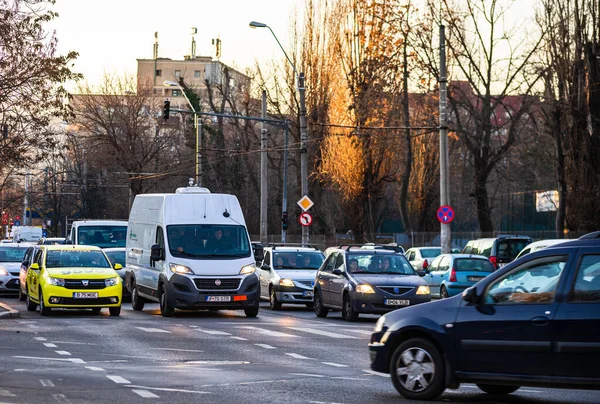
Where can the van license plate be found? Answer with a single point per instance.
(218, 298)
(396, 302)
(85, 295)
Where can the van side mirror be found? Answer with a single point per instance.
(157, 253)
(470, 295)
(35, 266)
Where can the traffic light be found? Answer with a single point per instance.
(284, 221)
(166, 109)
(5, 218)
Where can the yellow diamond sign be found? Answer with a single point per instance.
(305, 203)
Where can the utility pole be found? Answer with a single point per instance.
(264, 200)
(26, 202)
(284, 215)
(445, 235)
(303, 150)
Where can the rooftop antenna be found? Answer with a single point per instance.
(217, 43)
(155, 53)
(194, 32)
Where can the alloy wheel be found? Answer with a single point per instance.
(415, 369)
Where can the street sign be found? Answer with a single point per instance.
(305, 203)
(17, 223)
(305, 219)
(445, 214)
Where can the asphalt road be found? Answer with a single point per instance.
(287, 356)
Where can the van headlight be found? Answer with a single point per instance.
(247, 269)
(111, 281)
(364, 288)
(423, 290)
(56, 281)
(180, 269)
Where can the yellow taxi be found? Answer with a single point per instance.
(73, 277)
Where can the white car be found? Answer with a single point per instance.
(539, 245)
(11, 257)
(421, 257)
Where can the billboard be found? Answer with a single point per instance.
(546, 201)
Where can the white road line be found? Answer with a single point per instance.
(50, 345)
(337, 365)
(348, 378)
(41, 339)
(118, 379)
(297, 356)
(168, 389)
(77, 360)
(95, 369)
(6, 393)
(324, 333)
(153, 330)
(270, 333)
(239, 338)
(65, 353)
(61, 398)
(372, 372)
(46, 382)
(73, 343)
(364, 332)
(306, 375)
(177, 350)
(212, 332)
(44, 359)
(145, 394)
(266, 346)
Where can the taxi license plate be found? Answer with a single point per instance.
(308, 293)
(85, 295)
(218, 298)
(396, 302)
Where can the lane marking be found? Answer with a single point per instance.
(266, 346)
(77, 360)
(46, 359)
(348, 378)
(324, 333)
(41, 339)
(269, 332)
(95, 369)
(363, 332)
(168, 389)
(46, 382)
(153, 330)
(118, 379)
(74, 343)
(6, 393)
(61, 398)
(145, 394)
(297, 356)
(177, 350)
(337, 365)
(239, 338)
(218, 362)
(306, 375)
(212, 332)
(63, 353)
(372, 372)
(50, 345)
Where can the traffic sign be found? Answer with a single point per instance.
(305, 219)
(445, 214)
(305, 203)
(17, 223)
(4, 218)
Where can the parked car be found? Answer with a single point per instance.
(287, 275)
(73, 277)
(27, 260)
(539, 245)
(11, 256)
(366, 281)
(117, 256)
(421, 257)
(500, 250)
(451, 274)
(502, 333)
(51, 240)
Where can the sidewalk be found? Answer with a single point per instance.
(7, 312)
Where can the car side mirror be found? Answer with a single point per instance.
(337, 271)
(157, 253)
(25, 263)
(265, 267)
(470, 295)
(421, 272)
(259, 253)
(118, 266)
(35, 267)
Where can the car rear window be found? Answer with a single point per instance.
(430, 252)
(473, 264)
(510, 248)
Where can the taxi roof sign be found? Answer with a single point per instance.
(305, 203)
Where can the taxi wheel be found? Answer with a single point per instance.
(320, 310)
(137, 303)
(444, 293)
(44, 311)
(274, 304)
(165, 308)
(22, 296)
(31, 306)
(498, 390)
(347, 310)
(114, 311)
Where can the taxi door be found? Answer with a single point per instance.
(33, 275)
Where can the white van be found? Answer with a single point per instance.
(26, 233)
(190, 250)
(100, 233)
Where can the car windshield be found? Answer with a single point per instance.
(297, 260)
(379, 264)
(12, 254)
(76, 258)
(208, 241)
(430, 252)
(116, 257)
(472, 264)
(102, 236)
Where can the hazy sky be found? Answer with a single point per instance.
(110, 35)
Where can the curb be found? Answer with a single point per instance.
(9, 313)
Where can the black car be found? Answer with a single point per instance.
(371, 281)
(535, 322)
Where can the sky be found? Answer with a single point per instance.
(111, 34)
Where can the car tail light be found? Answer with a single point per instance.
(452, 275)
(494, 261)
(425, 264)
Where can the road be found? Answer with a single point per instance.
(287, 356)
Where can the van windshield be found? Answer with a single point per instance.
(102, 236)
(208, 241)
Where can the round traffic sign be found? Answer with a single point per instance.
(305, 219)
(445, 214)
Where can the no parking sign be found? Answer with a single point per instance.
(445, 214)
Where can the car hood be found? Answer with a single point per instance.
(11, 266)
(81, 273)
(299, 274)
(390, 280)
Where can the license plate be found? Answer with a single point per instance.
(308, 293)
(218, 298)
(396, 302)
(85, 295)
(474, 278)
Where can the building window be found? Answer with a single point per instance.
(177, 73)
(159, 73)
(176, 93)
(197, 74)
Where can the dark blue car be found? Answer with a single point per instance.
(535, 322)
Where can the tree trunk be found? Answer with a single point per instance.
(482, 200)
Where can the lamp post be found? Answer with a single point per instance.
(197, 126)
(302, 116)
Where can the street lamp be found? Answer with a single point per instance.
(197, 126)
(302, 116)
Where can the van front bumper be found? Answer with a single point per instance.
(183, 294)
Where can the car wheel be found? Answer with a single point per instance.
(251, 312)
(320, 310)
(274, 304)
(498, 390)
(137, 302)
(444, 293)
(347, 310)
(114, 311)
(96, 310)
(22, 296)
(165, 308)
(417, 370)
(31, 306)
(44, 311)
